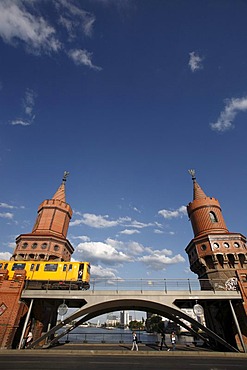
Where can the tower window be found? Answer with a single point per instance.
(213, 217)
(24, 245)
(203, 247)
(216, 246)
(44, 245)
(226, 245)
(236, 245)
(34, 245)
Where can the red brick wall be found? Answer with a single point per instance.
(11, 308)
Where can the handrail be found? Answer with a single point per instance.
(129, 284)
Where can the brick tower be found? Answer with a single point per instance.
(214, 252)
(219, 257)
(47, 241)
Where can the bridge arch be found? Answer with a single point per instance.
(171, 312)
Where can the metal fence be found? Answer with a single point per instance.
(165, 285)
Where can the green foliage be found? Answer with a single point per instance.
(136, 325)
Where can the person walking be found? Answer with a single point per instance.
(163, 342)
(173, 340)
(134, 341)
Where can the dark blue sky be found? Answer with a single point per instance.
(126, 96)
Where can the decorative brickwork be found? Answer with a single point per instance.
(219, 255)
(47, 241)
(12, 309)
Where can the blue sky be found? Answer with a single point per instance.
(126, 96)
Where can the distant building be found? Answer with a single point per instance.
(124, 318)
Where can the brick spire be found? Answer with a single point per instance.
(198, 193)
(60, 193)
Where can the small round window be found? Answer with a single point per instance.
(226, 245)
(236, 245)
(216, 246)
(34, 245)
(44, 245)
(24, 245)
(203, 247)
(56, 247)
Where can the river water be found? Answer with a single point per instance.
(101, 335)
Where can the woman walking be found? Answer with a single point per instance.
(134, 341)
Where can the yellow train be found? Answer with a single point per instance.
(51, 274)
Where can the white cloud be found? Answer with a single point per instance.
(28, 102)
(74, 19)
(99, 221)
(97, 252)
(21, 24)
(158, 260)
(5, 256)
(17, 24)
(131, 248)
(20, 122)
(158, 231)
(96, 221)
(130, 232)
(5, 205)
(83, 238)
(227, 116)
(140, 225)
(195, 61)
(82, 57)
(7, 215)
(102, 272)
(180, 212)
(28, 107)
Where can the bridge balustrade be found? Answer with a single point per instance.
(164, 285)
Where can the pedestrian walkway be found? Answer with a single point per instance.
(124, 347)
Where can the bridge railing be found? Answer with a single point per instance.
(165, 285)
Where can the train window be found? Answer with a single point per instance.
(5, 266)
(37, 267)
(51, 267)
(18, 266)
(32, 267)
(70, 267)
(1, 265)
(64, 267)
(88, 269)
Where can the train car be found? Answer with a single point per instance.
(51, 274)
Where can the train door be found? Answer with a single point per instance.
(81, 271)
(65, 271)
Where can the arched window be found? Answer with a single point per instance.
(209, 262)
(231, 260)
(220, 259)
(213, 217)
(242, 260)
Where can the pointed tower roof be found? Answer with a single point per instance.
(60, 193)
(198, 193)
(204, 212)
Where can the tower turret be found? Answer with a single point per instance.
(214, 252)
(47, 241)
